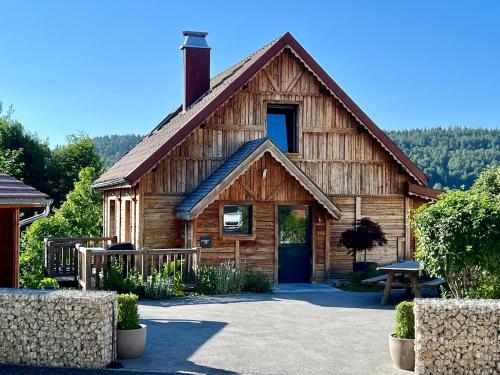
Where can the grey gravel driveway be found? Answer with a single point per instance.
(298, 329)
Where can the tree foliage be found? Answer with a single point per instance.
(79, 215)
(459, 238)
(112, 147)
(24, 156)
(363, 236)
(68, 160)
(450, 157)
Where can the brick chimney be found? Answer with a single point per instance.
(196, 66)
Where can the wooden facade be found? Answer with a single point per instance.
(337, 153)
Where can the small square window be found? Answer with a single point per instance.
(282, 126)
(237, 219)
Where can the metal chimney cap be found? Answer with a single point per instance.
(195, 39)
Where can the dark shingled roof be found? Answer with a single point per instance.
(179, 124)
(13, 192)
(218, 175)
(149, 150)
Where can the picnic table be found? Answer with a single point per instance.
(409, 268)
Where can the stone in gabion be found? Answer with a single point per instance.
(457, 336)
(60, 328)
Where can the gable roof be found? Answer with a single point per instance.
(234, 167)
(179, 124)
(14, 193)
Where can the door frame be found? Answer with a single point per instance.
(277, 239)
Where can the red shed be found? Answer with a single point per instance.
(14, 195)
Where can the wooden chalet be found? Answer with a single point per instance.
(266, 163)
(15, 195)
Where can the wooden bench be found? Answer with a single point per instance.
(374, 280)
(397, 284)
(432, 284)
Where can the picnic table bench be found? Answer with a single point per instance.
(410, 269)
(374, 280)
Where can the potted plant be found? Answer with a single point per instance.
(363, 236)
(130, 335)
(401, 343)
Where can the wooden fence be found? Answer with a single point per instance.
(92, 260)
(61, 260)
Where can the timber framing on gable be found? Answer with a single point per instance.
(157, 145)
(209, 190)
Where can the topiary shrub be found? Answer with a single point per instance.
(256, 281)
(405, 320)
(128, 317)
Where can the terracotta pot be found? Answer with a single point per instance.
(130, 342)
(402, 352)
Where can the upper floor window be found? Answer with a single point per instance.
(282, 126)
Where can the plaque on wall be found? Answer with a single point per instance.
(206, 241)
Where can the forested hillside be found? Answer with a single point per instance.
(112, 147)
(450, 157)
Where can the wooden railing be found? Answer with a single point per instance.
(61, 260)
(92, 260)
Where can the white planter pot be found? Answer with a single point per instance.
(130, 342)
(402, 353)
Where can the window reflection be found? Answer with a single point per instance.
(237, 219)
(293, 225)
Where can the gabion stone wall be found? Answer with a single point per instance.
(457, 336)
(57, 328)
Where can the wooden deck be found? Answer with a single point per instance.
(79, 261)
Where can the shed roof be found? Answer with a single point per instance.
(179, 124)
(234, 167)
(422, 191)
(14, 193)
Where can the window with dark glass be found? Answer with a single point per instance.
(282, 126)
(237, 219)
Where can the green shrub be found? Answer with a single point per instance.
(458, 238)
(178, 286)
(256, 281)
(207, 280)
(79, 215)
(405, 320)
(135, 281)
(113, 278)
(128, 317)
(49, 283)
(157, 286)
(230, 278)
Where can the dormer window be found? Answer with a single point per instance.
(282, 126)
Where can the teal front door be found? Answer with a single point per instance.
(294, 247)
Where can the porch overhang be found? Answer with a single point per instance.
(234, 167)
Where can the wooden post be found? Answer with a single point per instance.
(356, 218)
(406, 249)
(237, 259)
(327, 248)
(88, 269)
(144, 263)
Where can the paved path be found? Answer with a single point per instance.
(296, 330)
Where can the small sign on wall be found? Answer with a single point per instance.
(206, 241)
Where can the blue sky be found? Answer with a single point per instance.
(114, 66)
